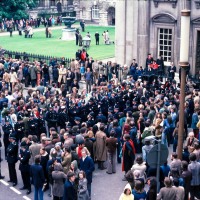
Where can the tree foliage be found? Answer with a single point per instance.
(16, 9)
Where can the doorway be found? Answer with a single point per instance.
(111, 16)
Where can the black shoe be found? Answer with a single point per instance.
(2, 177)
(108, 173)
(9, 181)
(28, 192)
(22, 188)
(14, 184)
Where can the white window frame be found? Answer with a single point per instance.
(167, 36)
(95, 12)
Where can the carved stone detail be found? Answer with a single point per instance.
(173, 2)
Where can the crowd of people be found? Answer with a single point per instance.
(27, 25)
(57, 131)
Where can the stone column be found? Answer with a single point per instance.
(131, 28)
(120, 33)
(103, 18)
(47, 3)
(143, 31)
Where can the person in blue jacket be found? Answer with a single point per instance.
(87, 165)
(69, 188)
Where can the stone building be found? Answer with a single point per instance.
(153, 26)
(101, 12)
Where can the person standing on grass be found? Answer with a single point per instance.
(97, 38)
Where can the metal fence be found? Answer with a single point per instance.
(32, 57)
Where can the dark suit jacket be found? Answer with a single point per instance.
(69, 191)
(88, 167)
(38, 175)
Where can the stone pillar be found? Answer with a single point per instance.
(131, 25)
(120, 32)
(103, 18)
(143, 31)
(47, 3)
(136, 18)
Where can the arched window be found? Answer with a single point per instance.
(95, 12)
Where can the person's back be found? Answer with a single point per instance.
(167, 192)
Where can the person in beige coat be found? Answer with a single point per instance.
(62, 75)
(34, 149)
(100, 150)
(66, 160)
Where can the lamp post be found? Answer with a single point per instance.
(184, 56)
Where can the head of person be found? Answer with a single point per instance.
(191, 135)
(71, 176)
(37, 159)
(84, 153)
(193, 157)
(168, 182)
(139, 160)
(138, 186)
(127, 190)
(81, 175)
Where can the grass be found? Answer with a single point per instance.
(54, 46)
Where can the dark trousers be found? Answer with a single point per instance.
(88, 85)
(194, 192)
(175, 143)
(46, 79)
(33, 81)
(57, 198)
(26, 179)
(76, 41)
(26, 81)
(118, 152)
(89, 188)
(97, 41)
(12, 172)
(6, 143)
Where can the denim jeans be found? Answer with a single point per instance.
(38, 191)
(164, 139)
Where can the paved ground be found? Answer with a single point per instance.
(104, 186)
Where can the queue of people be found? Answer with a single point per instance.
(57, 131)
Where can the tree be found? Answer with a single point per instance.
(16, 9)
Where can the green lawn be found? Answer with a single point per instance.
(54, 46)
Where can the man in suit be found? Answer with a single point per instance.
(12, 157)
(34, 149)
(69, 189)
(87, 165)
(37, 175)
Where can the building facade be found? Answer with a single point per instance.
(153, 26)
(101, 12)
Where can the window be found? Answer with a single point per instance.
(95, 12)
(52, 3)
(41, 3)
(165, 43)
